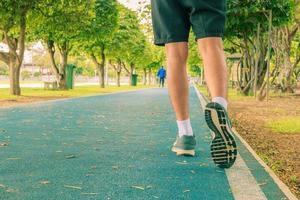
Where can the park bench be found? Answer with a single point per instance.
(50, 85)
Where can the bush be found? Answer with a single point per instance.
(37, 74)
(3, 70)
(25, 75)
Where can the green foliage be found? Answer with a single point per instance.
(244, 15)
(99, 28)
(194, 61)
(3, 69)
(129, 42)
(58, 21)
(195, 70)
(153, 57)
(25, 74)
(11, 12)
(37, 74)
(85, 71)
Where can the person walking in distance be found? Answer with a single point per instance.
(172, 21)
(161, 74)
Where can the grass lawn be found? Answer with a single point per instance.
(285, 125)
(233, 94)
(77, 92)
(22, 82)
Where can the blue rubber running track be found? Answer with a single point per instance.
(117, 146)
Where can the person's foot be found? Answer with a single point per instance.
(184, 145)
(223, 146)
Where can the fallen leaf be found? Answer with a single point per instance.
(11, 190)
(115, 167)
(13, 158)
(138, 187)
(89, 193)
(182, 163)
(72, 187)
(261, 184)
(45, 182)
(70, 156)
(3, 144)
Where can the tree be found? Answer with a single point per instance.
(118, 65)
(242, 31)
(153, 56)
(136, 42)
(286, 45)
(58, 24)
(97, 33)
(13, 23)
(128, 43)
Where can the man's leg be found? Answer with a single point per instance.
(179, 90)
(163, 82)
(177, 78)
(223, 146)
(160, 82)
(215, 69)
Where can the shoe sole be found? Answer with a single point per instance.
(223, 147)
(181, 152)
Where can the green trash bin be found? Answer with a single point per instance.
(70, 76)
(134, 79)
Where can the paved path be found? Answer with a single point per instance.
(116, 147)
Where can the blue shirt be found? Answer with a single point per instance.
(162, 73)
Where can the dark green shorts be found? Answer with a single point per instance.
(172, 19)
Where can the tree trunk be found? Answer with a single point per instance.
(51, 52)
(131, 72)
(101, 68)
(118, 78)
(288, 72)
(145, 76)
(64, 50)
(14, 58)
(14, 78)
(150, 77)
(282, 44)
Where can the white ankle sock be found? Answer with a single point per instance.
(221, 100)
(185, 128)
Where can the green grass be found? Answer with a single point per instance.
(77, 92)
(22, 82)
(235, 95)
(285, 125)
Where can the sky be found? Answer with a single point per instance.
(133, 4)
